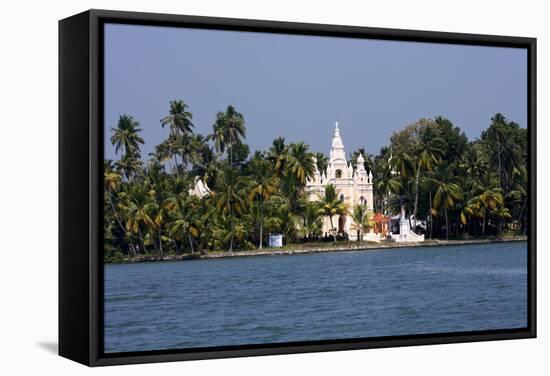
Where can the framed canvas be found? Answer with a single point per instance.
(234, 187)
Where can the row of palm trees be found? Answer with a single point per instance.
(450, 185)
(453, 186)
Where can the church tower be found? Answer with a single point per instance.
(354, 186)
(338, 167)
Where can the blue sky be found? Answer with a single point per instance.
(298, 86)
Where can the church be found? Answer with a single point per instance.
(354, 185)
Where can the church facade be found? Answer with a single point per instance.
(354, 186)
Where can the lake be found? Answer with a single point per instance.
(318, 296)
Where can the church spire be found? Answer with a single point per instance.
(337, 149)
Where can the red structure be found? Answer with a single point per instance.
(381, 223)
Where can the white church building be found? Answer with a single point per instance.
(354, 185)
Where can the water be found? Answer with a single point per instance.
(270, 299)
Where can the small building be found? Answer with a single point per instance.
(275, 240)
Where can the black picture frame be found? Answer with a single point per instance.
(81, 187)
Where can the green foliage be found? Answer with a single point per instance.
(430, 169)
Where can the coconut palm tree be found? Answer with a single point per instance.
(496, 133)
(386, 182)
(129, 166)
(206, 165)
(228, 129)
(447, 192)
(138, 206)
(126, 136)
(188, 148)
(361, 220)
(229, 197)
(262, 186)
(427, 154)
(278, 156)
(312, 222)
(300, 162)
(112, 182)
(154, 178)
(185, 218)
(487, 198)
(322, 161)
(331, 205)
(179, 119)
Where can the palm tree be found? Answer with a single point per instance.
(495, 132)
(447, 192)
(331, 205)
(300, 162)
(183, 210)
(139, 206)
(427, 154)
(155, 178)
(126, 136)
(263, 186)
(289, 204)
(322, 161)
(278, 156)
(386, 182)
(488, 198)
(111, 186)
(189, 148)
(311, 221)
(361, 220)
(129, 166)
(179, 119)
(229, 129)
(402, 165)
(206, 165)
(229, 197)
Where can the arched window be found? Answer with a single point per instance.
(363, 201)
(338, 174)
(341, 197)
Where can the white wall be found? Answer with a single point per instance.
(28, 181)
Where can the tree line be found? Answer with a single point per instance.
(452, 187)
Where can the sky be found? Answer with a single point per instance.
(297, 87)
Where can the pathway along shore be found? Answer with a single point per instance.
(303, 249)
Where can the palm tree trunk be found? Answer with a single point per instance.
(332, 228)
(520, 215)
(142, 242)
(483, 224)
(499, 163)
(417, 186)
(447, 224)
(431, 217)
(261, 222)
(160, 242)
(176, 163)
(130, 245)
(191, 243)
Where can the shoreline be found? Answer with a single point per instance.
(304, 250)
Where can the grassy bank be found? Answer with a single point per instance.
(294, 249)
